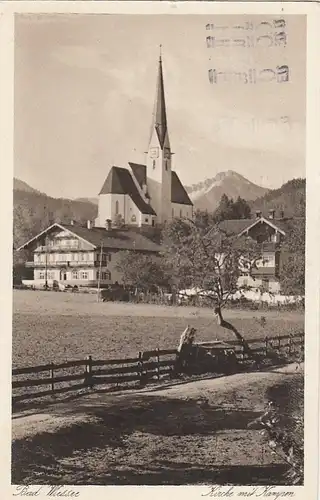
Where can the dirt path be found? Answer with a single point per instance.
(162, 435)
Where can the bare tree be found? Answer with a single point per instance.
(210, 262)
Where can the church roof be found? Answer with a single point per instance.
(178, 192)
(120, 181)
(160, 114)
(140, 173)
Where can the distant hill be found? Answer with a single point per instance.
(88, 200)
(290, 199)
(207, 194)
(34, 211)
(19, 185)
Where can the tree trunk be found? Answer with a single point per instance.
(229, 326)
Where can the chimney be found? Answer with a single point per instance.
(108, 224)
(271, 214)
(258, 214)
(89, 224)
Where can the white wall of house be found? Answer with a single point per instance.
(180, 210)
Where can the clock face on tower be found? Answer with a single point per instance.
(167, 153)
(154, 152)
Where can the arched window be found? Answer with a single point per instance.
(154, 164)
(117, 207)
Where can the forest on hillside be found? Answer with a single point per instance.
(290, 198)
(33, 212)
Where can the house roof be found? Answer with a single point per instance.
(288, 224)
(178, 192)
(120, 181)
(239, 226)
(236, 226)
(114, 238)
(140, 173)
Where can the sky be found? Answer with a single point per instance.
(85, 88)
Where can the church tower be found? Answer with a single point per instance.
(159, 157)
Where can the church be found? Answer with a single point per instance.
(150, 194)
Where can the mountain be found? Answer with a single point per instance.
(19, 185)
(206, 195)
(290, 199)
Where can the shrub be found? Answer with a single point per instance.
(283, 426)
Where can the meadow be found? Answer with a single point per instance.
(57, 327)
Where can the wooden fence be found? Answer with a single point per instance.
(147, 366)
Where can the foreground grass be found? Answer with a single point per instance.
(56, 327)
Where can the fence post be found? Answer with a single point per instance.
(140, 366)
(243, 352)
(266, 340)
(290, 344)
(158, 364)
(88, 372)
(52, 376)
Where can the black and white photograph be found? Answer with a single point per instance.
(158, 252)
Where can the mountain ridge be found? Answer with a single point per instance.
(206, 194)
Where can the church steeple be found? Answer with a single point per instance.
(159, 156)
(160, 115)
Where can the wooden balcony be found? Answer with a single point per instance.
(65, 263)
(58, 248)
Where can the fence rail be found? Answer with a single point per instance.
(147, 365)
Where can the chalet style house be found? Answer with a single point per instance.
(70, 254)
(270, 232)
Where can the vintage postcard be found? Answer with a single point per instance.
(161, 218)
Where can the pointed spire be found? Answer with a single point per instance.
(160, 115)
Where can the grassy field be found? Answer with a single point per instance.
(56, 327)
